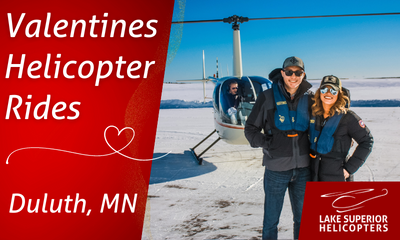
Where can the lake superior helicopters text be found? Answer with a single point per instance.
(229, 123)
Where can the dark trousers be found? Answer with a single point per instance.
(275, 185)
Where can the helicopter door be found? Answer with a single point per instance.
(251, 88)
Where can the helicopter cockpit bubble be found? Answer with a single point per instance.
(237, 97)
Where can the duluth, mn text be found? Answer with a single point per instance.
(19, 204)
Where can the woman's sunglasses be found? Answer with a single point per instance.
(290, 72)
(325, 90)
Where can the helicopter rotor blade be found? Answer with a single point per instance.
(276, 18)
(328, 16)
(199, 21)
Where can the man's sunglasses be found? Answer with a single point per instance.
(290, 72)
(325, 90)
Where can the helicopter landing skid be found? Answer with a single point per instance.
(198, 157)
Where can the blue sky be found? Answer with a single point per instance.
(350, 47)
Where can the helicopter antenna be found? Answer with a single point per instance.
(217, 67)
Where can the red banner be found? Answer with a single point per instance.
(350, 210)
(80, 93)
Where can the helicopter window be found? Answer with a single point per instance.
(252, 86)
(248, 91)
(260, 84)
(231, 97)
(237, 97)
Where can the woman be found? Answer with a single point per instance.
(332, 128)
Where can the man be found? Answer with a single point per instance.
(279, 124)
(233, 100)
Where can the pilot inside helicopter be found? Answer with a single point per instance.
(234, 99)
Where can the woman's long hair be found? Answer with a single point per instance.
(339, 106)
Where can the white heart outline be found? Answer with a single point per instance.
(115, 151)
(119, 132)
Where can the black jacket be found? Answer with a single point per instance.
(281, 152)
(329, 167)
(233, 100)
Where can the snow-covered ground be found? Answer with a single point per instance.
(223, 199)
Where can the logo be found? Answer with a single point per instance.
(356, 196)
(281, 103)
(281, 118)
(344, 202)
(312, 121)
(350, 210)
(330, 79)
(293, 60)
(362, 124)
(292, 119)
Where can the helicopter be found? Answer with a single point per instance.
(230, 126)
